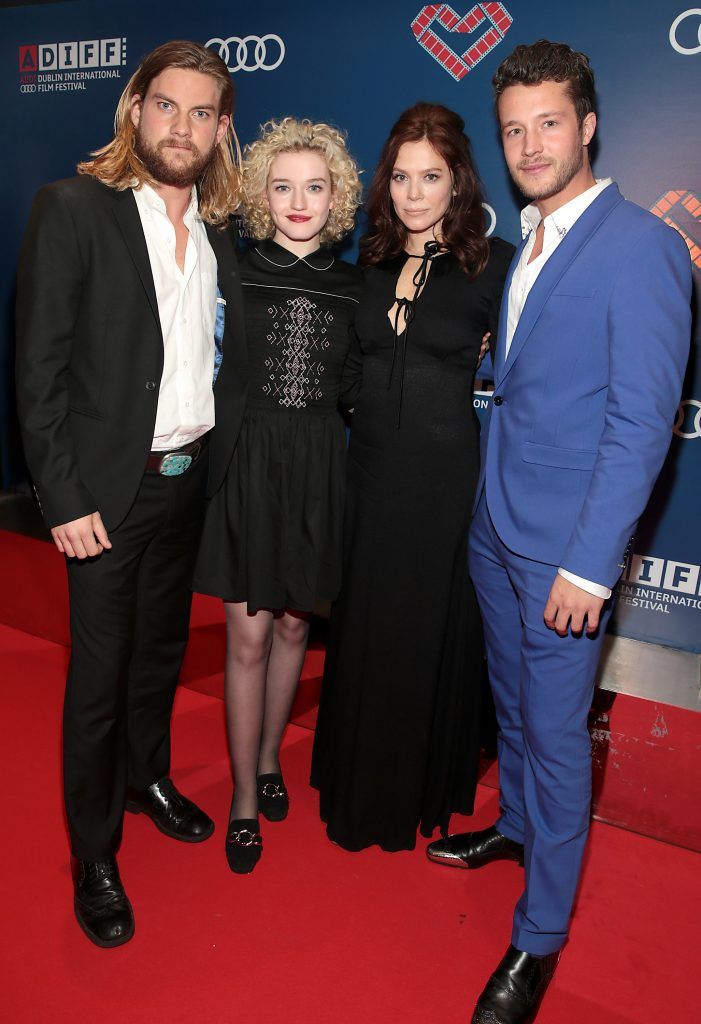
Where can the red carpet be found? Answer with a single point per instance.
(315, 934)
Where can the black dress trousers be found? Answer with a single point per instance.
(129, 611)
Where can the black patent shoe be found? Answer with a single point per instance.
(473, 849)
(171, 812)
(244, 845)
(100, 903)
(513, 993)
(273, 798)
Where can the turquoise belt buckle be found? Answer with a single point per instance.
(174, 465)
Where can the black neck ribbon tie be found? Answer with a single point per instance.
(431, 249)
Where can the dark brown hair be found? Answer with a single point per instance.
(549, 62)
(463, 226)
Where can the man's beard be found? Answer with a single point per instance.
(534, 190)
(180, 174)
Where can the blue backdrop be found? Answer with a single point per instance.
(359, 65)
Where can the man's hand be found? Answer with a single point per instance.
(82, 538)
(569, 605)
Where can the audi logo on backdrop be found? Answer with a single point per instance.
(687, 51)
(249, 53)
(689, 416)
(489, 210)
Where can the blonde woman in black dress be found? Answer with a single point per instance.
(397, 737)
(271, 547)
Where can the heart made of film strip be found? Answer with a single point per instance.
(431, 16)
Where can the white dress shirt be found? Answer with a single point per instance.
(187, 310)
(555, 227)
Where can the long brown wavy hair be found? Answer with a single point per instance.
(463, 227)
(117, 163)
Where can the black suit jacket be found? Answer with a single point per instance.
(90, 351)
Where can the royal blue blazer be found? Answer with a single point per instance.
(583, 406)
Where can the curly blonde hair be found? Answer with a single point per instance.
(295, 136)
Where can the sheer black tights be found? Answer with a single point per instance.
(264, 657)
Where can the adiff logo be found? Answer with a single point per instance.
(68, 66)
(458, 64)
(71, 56)
(682, 211)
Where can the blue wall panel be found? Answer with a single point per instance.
(359, 65)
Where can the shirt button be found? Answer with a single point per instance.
(498, 400)
(150, 385)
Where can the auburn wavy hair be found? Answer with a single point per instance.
(291, 135)
(463, 226)
(117, 163)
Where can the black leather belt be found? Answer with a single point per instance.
(178, 461)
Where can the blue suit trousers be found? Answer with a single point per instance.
(543, 686)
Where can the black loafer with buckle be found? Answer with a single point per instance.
(171, 812)
(244, 845)
(273, 798)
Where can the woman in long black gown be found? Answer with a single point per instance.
(397, 737)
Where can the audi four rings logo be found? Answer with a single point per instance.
(249, 53)
(489, 210)
(688, 415)
(687, 51)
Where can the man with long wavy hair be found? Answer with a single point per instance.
(129, 310)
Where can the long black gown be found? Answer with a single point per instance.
(396, 745)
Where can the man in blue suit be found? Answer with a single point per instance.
(593, 342)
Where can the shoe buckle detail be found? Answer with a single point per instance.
(273, 790)
(251, 838)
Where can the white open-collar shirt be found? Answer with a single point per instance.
(187, 310)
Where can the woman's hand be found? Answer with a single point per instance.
(484, 348)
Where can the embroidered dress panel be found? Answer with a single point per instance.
(299, 315)
(299, 330)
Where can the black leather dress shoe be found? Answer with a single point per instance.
(513, 993)
(273, 798)
(101, 905)
(171, 812)
(473, 849)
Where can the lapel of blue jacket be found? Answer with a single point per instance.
(500, 355)
(578, 235)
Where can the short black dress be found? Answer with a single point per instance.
(273, 532)
(397, 738)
